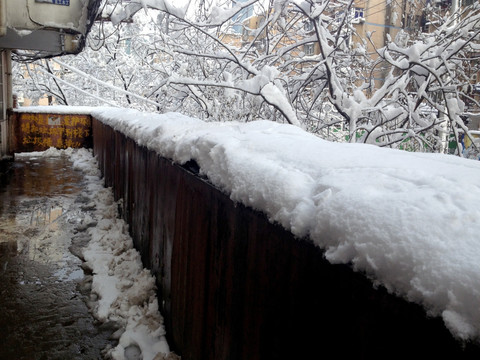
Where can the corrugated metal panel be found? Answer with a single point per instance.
(234, 286)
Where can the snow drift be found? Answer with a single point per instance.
(122, 290)
(410, 221)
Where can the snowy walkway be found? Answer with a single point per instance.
(42, 285)
(50, 213)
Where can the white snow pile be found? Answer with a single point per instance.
(55, 109)
(122, 290)
(410, 221)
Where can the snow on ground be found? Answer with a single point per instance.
(410, 221)
(122, 290)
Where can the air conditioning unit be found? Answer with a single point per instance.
(50, 26)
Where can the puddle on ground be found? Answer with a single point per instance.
(43, 289)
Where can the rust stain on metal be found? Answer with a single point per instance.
(38, 132)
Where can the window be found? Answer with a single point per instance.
(358, 15)
(444, 4)
(339, 16)
(261, 44)
(410, 21)
(424, 24)
(309, 49)
(415, 22)
(308, 25)
(127, 46)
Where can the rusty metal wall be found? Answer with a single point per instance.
(38, 132)
(234, 286)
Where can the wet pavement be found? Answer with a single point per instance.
(43, 288)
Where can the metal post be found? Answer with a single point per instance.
(6, 102)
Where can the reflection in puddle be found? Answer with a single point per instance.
(37, 233)
(45, 216)
(65, 275)
(44, 315)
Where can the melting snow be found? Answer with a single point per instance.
(124, 291)
(410, 221)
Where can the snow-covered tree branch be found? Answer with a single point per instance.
(300, 62)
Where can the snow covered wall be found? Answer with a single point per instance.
(238, 284)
